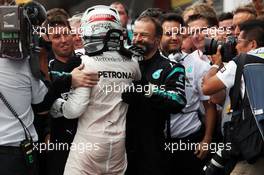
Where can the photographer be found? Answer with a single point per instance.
(250, 40)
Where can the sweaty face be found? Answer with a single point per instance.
(144, 36)
(61, 40)
(171, 39)
(198, 28)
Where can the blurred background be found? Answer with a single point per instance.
(135, 7)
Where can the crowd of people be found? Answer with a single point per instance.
(162, 96)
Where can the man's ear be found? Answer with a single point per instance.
(158, 39)
(254, 44)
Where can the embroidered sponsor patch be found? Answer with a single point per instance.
(156, 74)
(223, 69)
(181, 78)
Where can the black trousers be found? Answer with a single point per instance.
(142, 163)
(56, 161)
(145, 155)
(13, 162)
(182, 160)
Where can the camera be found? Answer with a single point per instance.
(228, 48)
(216, 165)
(17, 39)
(16, 36)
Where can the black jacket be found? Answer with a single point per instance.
(62, 129)
(146, 116)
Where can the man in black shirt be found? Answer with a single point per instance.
(163, 82)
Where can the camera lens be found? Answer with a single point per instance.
(216, 164)
(228, 49)
(210, 46)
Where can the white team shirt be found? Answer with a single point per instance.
(228, 72)
(227, 76)
(21, 90)
(199, 54)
